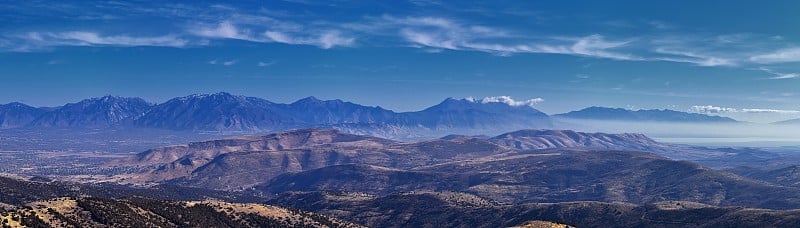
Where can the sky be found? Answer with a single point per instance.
(731, 58)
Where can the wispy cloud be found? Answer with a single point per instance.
(779, 75)
(778, 56)
(692, 57)
(224, 29)
(266, 64)
(441, 33)
(592, 46)
(298, 36)
(229, 63)
(223, 62)
(38, 40)
(324, 40)
(196, 26)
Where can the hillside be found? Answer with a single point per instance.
(14, 115)
(448, 209)
(103, 112)
(555, 175)
(246, 161)
(143, 212)
(46, 203)
(517, 167)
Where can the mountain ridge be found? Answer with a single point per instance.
(228, 113)
(288, 160)
(16, 114)
(101, 112)
(654, 115)
(788, 122)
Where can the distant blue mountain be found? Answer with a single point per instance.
(654, 115)
(469, 113)
(311, 110)
(223, 111)
(100, 112)
(218, 112)
(13, 115)
(788, 122)
(228, 112)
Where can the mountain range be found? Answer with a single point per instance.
(452, 209)
(227, 112)
(100, 112)
(789, 122)
(14, 115)
(655, 115)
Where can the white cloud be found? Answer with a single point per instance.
(711, 109)
(507, 100)
(285, 33)
(324, 40)
(433, 34)
(223, 62)
(37, 40)
(778, 56)
(429, 40)
(266, 64)
(692, 57)
(593, 46)
(224, 29)
(439, 33)
(429, 34)
(779, 75)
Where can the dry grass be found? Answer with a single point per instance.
(542, 224)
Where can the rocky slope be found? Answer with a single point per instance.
(103, 112)
(556, 175)
(471, 114)
(14, 115)
(517, 167)
(447, 209)
(143, 212)
(314, 111)
(786, 176)
(245, 161)
(220, 112)
(45, 203)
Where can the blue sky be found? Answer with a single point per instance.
(734, 58)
